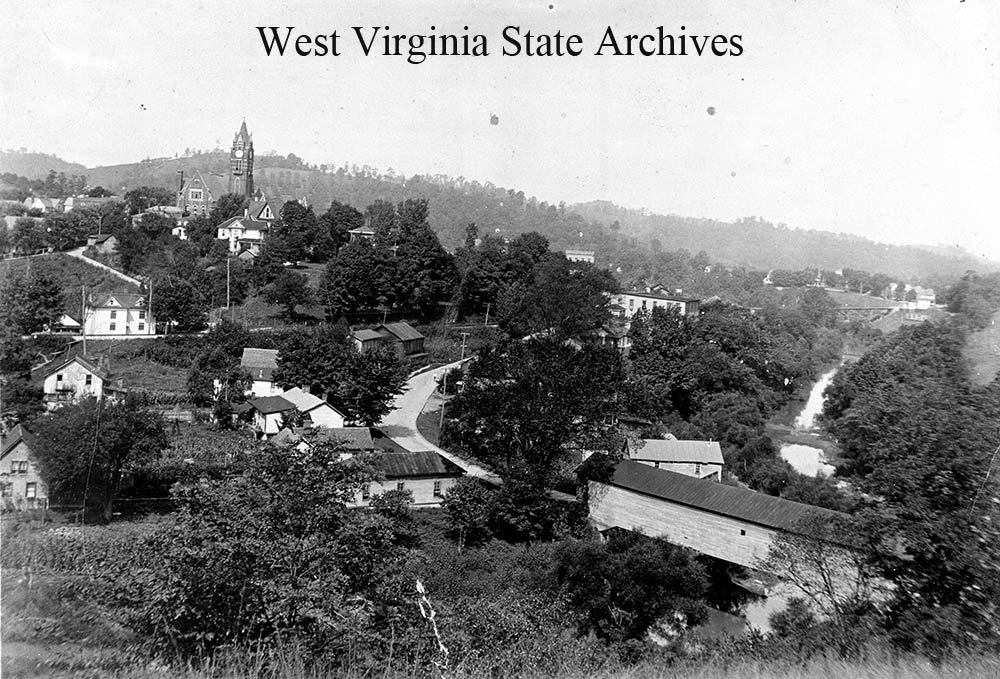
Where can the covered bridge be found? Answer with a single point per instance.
(728, 523)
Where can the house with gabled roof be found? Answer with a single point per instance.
(405, 340)
(116, 314)
(261, 365)
(74, 378)
(319, 412)
(21, 483)
(366, 339)
(700, 459)
(105, 243)
(243, 233)
(270, 413)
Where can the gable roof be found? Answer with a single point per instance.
(260, 363)
(659, 450)
(305, 401)
(15, 436)
(660, 295)
(402, 331)
(271, 404)
(86, 363)
(366, 335)
(717, 498)
(125, 300)
(416, 464)
(353, 438)
(100, 238)
(244, 223)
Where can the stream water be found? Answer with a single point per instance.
(806, 459)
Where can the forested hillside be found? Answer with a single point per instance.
(601, 226)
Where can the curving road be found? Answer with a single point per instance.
(401, 424)
(78, 254)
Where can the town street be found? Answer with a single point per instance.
(401, 424)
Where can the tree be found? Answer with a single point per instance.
(426, 272)
(356, 279)
(374, 378)
(228, 205)
(84, 448)
(99, 192)
(30, 302)
(275, 554)
(178, 304)
(334, 226)
(144, 197)
(28, 236)
(289, 290)
(526, 404)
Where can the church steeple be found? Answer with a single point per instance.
(241, 163)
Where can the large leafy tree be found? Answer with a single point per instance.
(426, 274)
(84, 449)
(526, 405)
(361, 276)
(179, 304)
(334, 225)
(275, 554)
(30, 301)
(289, 290)
(144, 197)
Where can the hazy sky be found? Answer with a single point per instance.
(881, 119)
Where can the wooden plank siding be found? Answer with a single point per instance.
(723, 537)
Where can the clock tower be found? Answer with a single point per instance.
(241, 163)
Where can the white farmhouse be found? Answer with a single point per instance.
(119, 314)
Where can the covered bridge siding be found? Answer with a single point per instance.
(733, 524)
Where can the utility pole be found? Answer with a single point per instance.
(464, 335)
(444, 397)
(83, 316)
(487, 321)
(227, 287)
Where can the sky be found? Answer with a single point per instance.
(876, 119)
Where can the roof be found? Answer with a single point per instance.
(353, 438)
(717, 498)
(15, 436)
(366, 335)
(260, 363)
(659, 295)
(100, 238)
(416, 464)
(271, 404)
(126, 300)
(86, 363)
(404, 332)
(241, 222)
(660, 450)
(305, 401)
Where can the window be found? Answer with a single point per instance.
(111, 328)
(31, 490)
(114, 314)
(366, 491)
(656, 464)
(400, 485)
(88, 380)
(142, 327)
(19, 467)
(7, 490)
(743, 532)
(195, 194)
(59, 377)
(697, 469)
(437, 489)
(142, 315)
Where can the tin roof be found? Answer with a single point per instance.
(717, 498)
(416, 464)
(659, 450)
(271, 404)
(404, 332)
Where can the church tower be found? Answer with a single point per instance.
(241, 163)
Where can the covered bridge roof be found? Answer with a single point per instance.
(710, 496)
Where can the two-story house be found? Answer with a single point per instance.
(73, 379)
(21, 485)
(243, 233)
(261, 364)
(118, 314)
(633, 301)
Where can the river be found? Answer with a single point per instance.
(806, 459)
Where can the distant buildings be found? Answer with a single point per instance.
(405, 340)
(198, 194)
(104, 243)
(580, 256)
(75, 378)
(700, 459)
(654, 298)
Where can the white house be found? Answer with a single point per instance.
(633, 301)
(700, 459)
(580, 256)
(117, 314)
(270, 414)
(320, 413)
(21, 486)
(72, 379)
(425, 474)
(243, 233)
(261, 364)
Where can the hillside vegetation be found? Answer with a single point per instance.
(752, 243)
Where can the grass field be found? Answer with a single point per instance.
(983, 351)
(853, 299)
(71, 274)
